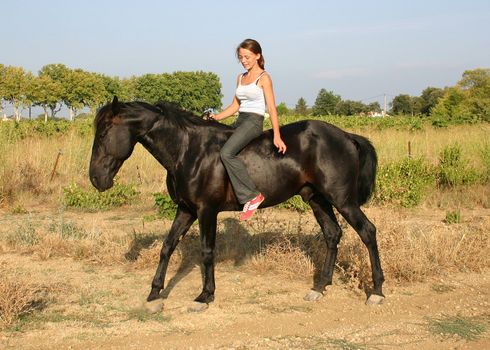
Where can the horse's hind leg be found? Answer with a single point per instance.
(332, 232)
(367, 231)
(183, 220)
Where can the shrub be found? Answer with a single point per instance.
(453, 170)
(24, 235)
(67, 230)
(165, 205)
(453, 217)
(92, 200)
(403, 182)
(17, 298)
(295, 203)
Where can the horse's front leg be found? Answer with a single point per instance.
(183, 220)
(207, 226)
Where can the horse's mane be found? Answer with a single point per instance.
(184, 118)
(168, 110)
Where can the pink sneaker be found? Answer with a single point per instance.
(250, 206)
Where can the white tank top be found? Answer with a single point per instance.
(251, 96)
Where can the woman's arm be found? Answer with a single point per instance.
(228, 111)
(266, 83)
(231, 109)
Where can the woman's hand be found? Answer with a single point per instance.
(279, 143)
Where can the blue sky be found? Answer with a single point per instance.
(357, 49)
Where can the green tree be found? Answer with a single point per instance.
(469, 100)
(113, 86)
(349, 107)
(325, 103)
(301, 108)
(128, 89)
(373, 107)
(282, 109)
(46, 93)
(476, 86)
(194, 91)
(58, 73)
(429, 98)
(14, 87)
(405, 104)
(83, 89)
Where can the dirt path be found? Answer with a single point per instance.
(93, 306)
(101, 308)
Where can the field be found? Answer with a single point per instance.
(74, 278)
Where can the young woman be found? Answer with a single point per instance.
(253, 92)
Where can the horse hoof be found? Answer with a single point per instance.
(313, 295)
(197, 307)
(154, 306)
(375, 299)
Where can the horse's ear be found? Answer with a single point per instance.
(115, 106)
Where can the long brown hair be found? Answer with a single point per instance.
(253, 46)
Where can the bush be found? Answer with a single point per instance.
(453, 217)
(24, 235)
(295, 203)
(403, 182)
(165, 206)
(453, 170)
(92, 200)
(17, 298)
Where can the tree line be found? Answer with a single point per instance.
(469, 99)
(56, 85)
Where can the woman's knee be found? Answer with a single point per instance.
(225, 154)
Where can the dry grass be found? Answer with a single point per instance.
(392, 144)
(411, 249)
(285, 257)
(414, 251)
(26, 165)
(17, 298)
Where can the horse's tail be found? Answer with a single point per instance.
(368, 163)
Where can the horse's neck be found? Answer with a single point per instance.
(166, 143)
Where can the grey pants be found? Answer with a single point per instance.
(247, 127)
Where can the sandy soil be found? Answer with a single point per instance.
(92, 306)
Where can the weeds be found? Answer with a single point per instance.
(465, 328)
(24, 235)
(17, 298)
(142, 315)
(453, 217)
(166, 207)
(453, 170)
(92, 200)
(403, 182)
(67, 230)
(442, 288)
(295, 203)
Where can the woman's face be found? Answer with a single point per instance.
(247, 58)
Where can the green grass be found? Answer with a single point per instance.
(442, 288)
(142, 315)
(92, 200)
(464, 327)
(453, 217)
(345, 344)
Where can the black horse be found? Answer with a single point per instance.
(327, 166)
